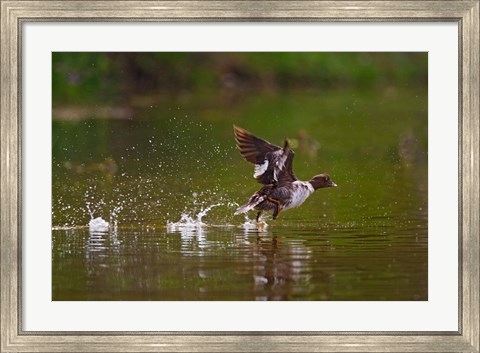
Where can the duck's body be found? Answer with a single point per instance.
(273, 168)
(287, 196)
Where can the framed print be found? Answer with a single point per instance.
(130, 220)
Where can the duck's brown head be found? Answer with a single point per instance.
(321, 181)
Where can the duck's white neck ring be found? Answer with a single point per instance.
(310, 186)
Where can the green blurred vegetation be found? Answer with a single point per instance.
(82, 78)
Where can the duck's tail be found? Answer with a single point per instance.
(254, 201)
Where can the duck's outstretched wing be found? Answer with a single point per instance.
(273, 164)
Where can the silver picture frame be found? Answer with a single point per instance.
(15, 13)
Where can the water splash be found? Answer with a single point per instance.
(146, 194)
(204, 212)
(252, 224)
(114, 216)
(98, 225)
(188, 222)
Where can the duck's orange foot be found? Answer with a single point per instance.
(276, 211)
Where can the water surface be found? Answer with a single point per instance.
(143, 168)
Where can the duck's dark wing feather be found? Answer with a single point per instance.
(273, 164)
(286, 175)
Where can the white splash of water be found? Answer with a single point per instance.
(114, 216)
(250, 224)
(188, 222)
(89, 210)
(98, 225)
(204, 212)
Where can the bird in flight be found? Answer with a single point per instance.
(273, 168)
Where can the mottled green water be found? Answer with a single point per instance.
(142, 166)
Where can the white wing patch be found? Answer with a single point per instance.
(260, 168)
(277, 158)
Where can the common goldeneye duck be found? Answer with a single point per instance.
(273, 168)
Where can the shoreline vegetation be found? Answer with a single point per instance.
(138, 79)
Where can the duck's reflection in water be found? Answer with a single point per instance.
(247, 264)
(282, 267)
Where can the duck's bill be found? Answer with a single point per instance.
(331, 183)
